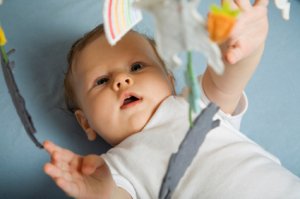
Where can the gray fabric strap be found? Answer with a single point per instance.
(18, 101)
(188, 148)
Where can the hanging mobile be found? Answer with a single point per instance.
(16, 97)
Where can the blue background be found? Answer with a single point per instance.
(42, 32)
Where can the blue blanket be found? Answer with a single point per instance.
(42, 33)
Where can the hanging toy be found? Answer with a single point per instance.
(119, 17)
(2, 44)
(16, 97)
(284, 6)
(221, 21)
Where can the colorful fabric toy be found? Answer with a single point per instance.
(221, 21)
(2, 44)
(188, 34)
(119, 17)
(188, 31)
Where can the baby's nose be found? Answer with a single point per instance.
(122, 81)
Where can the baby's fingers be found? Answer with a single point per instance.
(261, 3)
(53, 171)
(243, 4)
(91, 163)
(232, 4)
(57, 152)
(50, 147)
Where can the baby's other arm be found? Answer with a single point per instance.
(241, 54)
(81, 177)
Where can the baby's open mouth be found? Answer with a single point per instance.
(130, 101)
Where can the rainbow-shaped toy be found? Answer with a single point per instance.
(119, 17)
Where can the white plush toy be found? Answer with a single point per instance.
(284, 6)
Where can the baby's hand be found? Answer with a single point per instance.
(250, 31)
(79, 177)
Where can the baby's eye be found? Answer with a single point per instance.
(136, 67)
(101, 81)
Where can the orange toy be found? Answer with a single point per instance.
(220, 22)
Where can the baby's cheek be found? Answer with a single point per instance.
(99, 118)
(163, 90)
(106, 131)
(137, 123)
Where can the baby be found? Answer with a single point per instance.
(125, 94)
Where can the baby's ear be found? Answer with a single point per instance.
(91, 134)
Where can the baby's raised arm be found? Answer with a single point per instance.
(241, 54)
(81, 177)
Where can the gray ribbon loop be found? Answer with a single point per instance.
(188, 148)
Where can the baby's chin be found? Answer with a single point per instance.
(125, 135)
(133, 126)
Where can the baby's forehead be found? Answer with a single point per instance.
(133, 39)
(132, 43)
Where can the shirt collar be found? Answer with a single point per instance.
(172, 107)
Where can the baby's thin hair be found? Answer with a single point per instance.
(80, 44)
(77, 46)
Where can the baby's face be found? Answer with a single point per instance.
(118, 88)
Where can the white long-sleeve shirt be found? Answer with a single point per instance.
(228, 165)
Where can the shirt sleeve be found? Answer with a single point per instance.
(234, 119)
(124, 184)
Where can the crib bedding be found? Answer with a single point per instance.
(42, 32)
